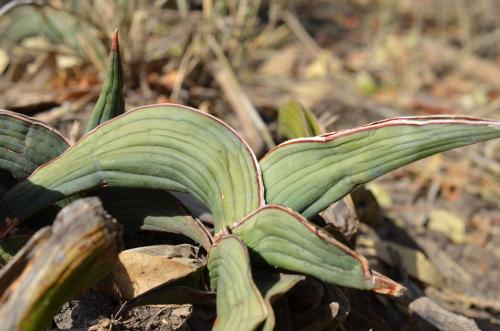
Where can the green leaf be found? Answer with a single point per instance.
(111, 102)
(26, 144)
(153, 210)
(296, 121)
(165, 147)
(309, 174)
(272, 287)
(240, 305)
(286, 240)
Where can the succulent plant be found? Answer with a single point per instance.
(260, 208)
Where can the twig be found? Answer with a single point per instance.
(450, 295)
(207, 9)
(468, 64)
(182, 71)
(304, 37)
(66, 108)
(440, 317)
(183, 7)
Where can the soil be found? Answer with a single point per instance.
(95, 311)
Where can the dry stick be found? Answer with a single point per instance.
(207, 9)
(238, 99)
(429, 310)
(182, 72)
(183, 7)
(440, 317)
(294, 24)
(468, 64)
(452, 296)
(56, 113)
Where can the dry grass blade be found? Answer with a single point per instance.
(240, 102)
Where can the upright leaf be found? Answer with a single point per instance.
(296, 121)
(111, 102)
(165, 147)
(309, 174)
(26, 144)
(286, 240)
(240, 305)
(153, 210)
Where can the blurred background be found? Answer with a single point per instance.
(349, 62)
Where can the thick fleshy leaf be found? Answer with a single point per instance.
(166, 147)
(296, 121)
(26, 144)
(272, 287)
(111, 102)
(62, 261)
(240, 305)
(308, 174)
(153, 210)
(286, 240)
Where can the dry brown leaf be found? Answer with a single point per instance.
(342, 215)
(141, 269)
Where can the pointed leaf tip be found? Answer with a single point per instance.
(115, 46)
(111, 102)
(385, 285)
